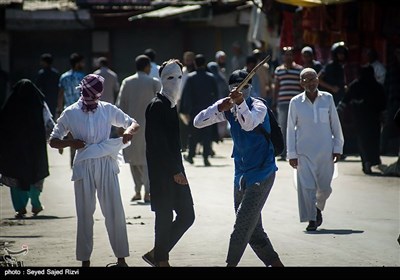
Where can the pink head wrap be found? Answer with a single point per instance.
(91, 88)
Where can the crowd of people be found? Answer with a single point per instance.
(187, 104)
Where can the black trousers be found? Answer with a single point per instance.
(167, 230)
(203, 136)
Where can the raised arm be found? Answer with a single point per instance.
(213, 114)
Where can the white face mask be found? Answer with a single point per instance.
(171, 80)
(245, 91)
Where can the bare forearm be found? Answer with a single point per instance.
(129, 132)
(63, 143)
(133, 128)
(60, 143)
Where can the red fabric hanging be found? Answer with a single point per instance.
(287, 29)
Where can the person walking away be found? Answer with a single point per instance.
(154, 66)
(111, 84)
(188, 67)
(367, 98)
(47, 81)
(135, 94)
(200, 91)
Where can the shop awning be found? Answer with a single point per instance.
(312, 3)
(166, 12)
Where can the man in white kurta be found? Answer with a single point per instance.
(95, 167)
(135, 94)
(314, 143)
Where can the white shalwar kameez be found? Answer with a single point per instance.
(314, 133)
(96, 169)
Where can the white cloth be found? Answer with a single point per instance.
(95, 169)
(171, 82)
(48, 120)
(135, 94)
(110, 85)
(92, 128)
(248, 119)
(314, 133)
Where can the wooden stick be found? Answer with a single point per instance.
(252, 73)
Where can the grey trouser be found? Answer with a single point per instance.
(248, 229)
(283, 110)
(140, 177)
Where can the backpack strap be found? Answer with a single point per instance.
(260, 128)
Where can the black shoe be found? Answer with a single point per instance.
(20, 214)
(206, 162)
(312, 226)
(319, 218)
(149, 259)
(188, 159)
(367, 168)
(36, 211)
(212, 153)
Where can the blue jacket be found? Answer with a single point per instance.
(252, 153)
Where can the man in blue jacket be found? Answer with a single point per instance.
(255, 167)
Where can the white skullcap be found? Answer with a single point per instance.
(218, 54)
(307, 49)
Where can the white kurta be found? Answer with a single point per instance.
(314, 133)
(96, 170)
(135, 94)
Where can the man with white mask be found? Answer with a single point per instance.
(255, 167)
(169, 187)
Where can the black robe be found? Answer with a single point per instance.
(367, 99)
(23, 153)
(163, 151)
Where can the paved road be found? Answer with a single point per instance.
(361, 220)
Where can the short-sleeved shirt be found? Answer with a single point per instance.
(289, 82)
(68, 82)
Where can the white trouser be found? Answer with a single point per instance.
(313, 186)
(99, 175)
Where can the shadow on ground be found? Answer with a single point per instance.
(21, 236)
(334, 231)
(41, 217)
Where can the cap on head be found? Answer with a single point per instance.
(238, 76)
(339, 47)
(307, 49)
(218, 54)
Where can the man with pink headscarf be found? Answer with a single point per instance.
(95, 167)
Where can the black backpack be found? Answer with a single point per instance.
(276, 135)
